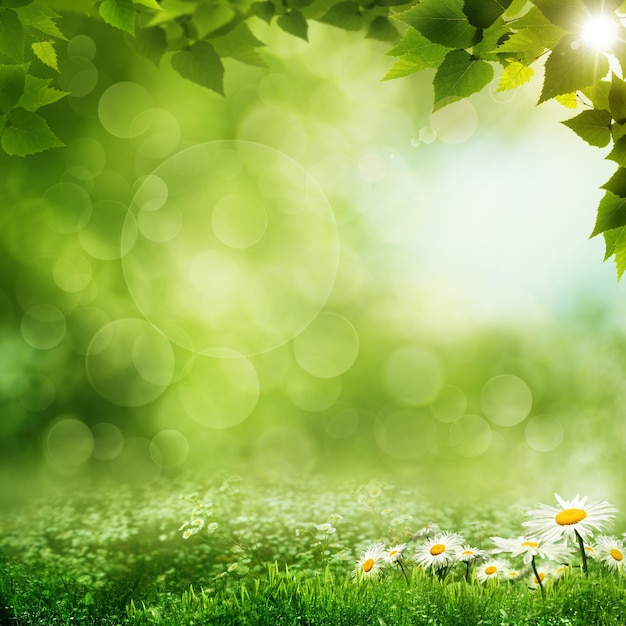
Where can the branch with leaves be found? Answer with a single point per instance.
(581, 45)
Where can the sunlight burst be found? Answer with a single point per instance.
(600, 32)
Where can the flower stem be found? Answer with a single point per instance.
(583, 554)
(404, 572)
(537, 577)
(467, 571)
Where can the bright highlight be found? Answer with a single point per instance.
(600, 32)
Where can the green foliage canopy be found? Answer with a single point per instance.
(464, 41)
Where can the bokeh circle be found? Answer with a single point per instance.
(247, 253)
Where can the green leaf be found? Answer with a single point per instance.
(483, 13)
(37, 93)
(345, 15)
(611, 214)
(618, 153)
(570, 68)
(617, 99)
(298, 4)
(295, 24)
(211, 16)
(620, 256)
(598, 94)
(523, 46)
(40, 17)
(460, 75)
(27, 133)
(119, 13)
(12, 83)
(264, 10)
(171, 10)
(592, 126)
(568, 100)
(404, 66)
(618, 131)
(514, 75)
(200, 64)
(492, 37)
(612, 240)
(382, 29)
(151, 4)
(239, 44)
(443, 22)
(617, 183)
(14, 3)
(11, 35)
(568, 14)
(544, 31)
(150, 43)
(415, 43)
(45, 52)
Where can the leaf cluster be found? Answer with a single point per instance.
(463, 40)
(28, 36)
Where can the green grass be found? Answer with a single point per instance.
(283, 598)
(118, 557)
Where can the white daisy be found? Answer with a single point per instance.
(493, 569)
(571, 517)
(544, 574)
(394, 554)
(468, 554)
(426, 532)
(439, 551)
(326, 528)
(530, 547)
(512, 573)
(371, 563)
(610, 551)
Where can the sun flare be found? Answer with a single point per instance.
(600, 32)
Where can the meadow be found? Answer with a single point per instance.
(237, 552)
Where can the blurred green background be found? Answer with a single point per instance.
(312, 275)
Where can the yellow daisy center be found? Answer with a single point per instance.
(438, 548)
(530, 544)
(567, 517)
(468, 552)
(541, 577)
(616, 554)
(492, 569)
(393, 553)
(367, 566)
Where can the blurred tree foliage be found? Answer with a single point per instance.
(463, 40)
